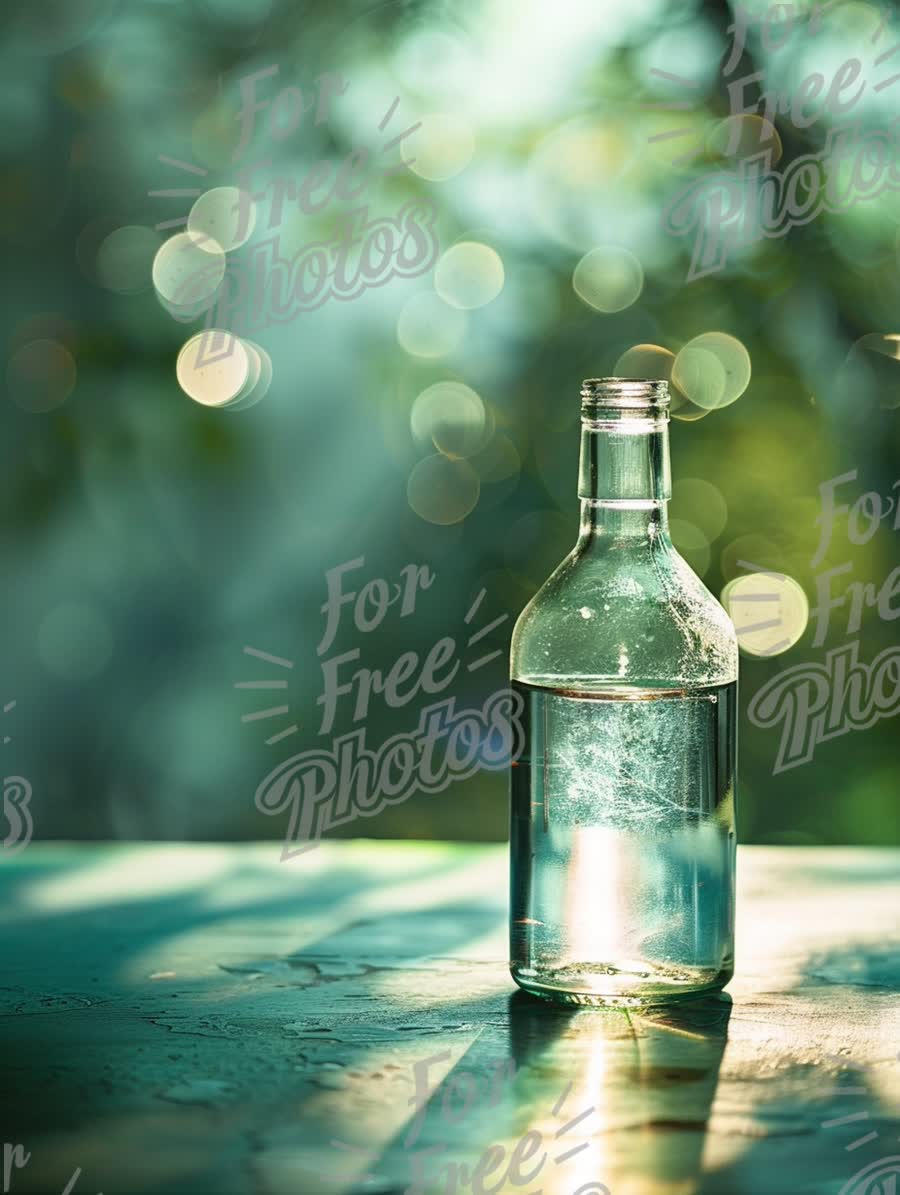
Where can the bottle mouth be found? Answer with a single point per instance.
(640, 394)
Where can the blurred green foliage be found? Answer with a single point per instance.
(148, 538)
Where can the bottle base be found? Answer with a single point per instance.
(638, 985)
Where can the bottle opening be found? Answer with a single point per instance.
(642, 394)
(624, 441)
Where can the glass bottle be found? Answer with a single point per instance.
(622, 834)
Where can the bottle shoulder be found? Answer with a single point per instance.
(624, 615)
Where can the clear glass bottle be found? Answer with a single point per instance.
(622, 835)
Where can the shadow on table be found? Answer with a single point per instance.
(649, 1076)
(620, 1102)
(78, 1001)
(569, 1100)
(634, 1089)
(827, 1128)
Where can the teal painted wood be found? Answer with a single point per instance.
(206, 1019)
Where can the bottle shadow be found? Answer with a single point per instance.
(571, 1101)
(649, 1078)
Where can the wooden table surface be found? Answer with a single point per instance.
(207, 1019)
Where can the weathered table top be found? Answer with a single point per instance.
(208, 1019)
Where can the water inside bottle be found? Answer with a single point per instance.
(622, 843)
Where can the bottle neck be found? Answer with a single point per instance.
(624, 481)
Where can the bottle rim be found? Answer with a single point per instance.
(640, 393)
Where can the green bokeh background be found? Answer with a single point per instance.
(149, 539)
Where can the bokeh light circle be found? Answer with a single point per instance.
(441, 148)
(184, 273)
(769, 610)
(684, 410)
(222, 219)
(212, 367)
(713, 370)
(700, 376)
(441, 490)
(41, 375)
(251, 381)
(608, 278)
(702, 504)
(469, 275)
(259, 378)
(653, 361)
(125, 259)
(498, 461)
(451, 417)
(872, 370)
(649, 361)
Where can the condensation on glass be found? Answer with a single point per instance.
(622, 818)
